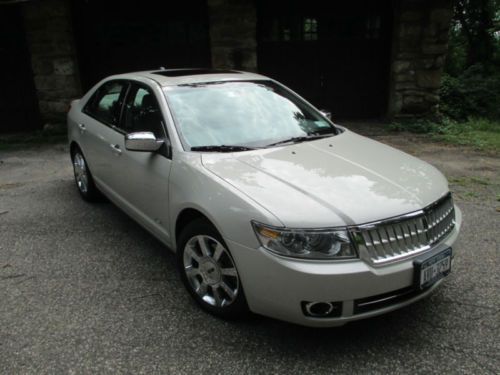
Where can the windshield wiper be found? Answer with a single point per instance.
(222, 148)
(300, 139)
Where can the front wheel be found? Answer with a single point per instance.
(208, 271)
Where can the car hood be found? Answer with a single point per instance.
(342, 180)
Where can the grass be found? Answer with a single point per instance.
(466, 181)
(480, 181)
(30, 140)
(480, 134)
(472, 187)
(471, 194)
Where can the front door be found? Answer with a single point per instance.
(142, 177)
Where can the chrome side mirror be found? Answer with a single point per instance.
(142, 141)
(327, 113)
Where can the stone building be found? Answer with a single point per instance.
(360, 59)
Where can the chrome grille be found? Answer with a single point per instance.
(404, 236)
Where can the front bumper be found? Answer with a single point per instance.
(277, 286)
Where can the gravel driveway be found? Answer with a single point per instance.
(83, 289)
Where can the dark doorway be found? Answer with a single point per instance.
(18, 101)
(334, 53)
(117, 37)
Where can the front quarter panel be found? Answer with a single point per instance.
(193, 186)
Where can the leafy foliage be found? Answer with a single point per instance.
(471, 83)
(476, 22)
(478, 133)
(475, 92)
(481, 134)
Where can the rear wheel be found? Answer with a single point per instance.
(83, 177)
(208, 270)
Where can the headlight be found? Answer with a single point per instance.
(306, 243)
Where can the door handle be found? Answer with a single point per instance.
(116, 149)
(82, 128)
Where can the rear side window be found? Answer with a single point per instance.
(105, 105)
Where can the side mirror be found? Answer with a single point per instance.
(327, 113)
(142, 141)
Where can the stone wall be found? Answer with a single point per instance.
(420, 39)
(419, 49)
(233, 35)
(53, 57)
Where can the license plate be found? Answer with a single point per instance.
(432, 267)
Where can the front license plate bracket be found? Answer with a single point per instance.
(432, 267)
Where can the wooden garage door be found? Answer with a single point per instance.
(335, 53)
(118, 37)
(18, 102)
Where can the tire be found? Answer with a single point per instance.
(208, 271)
(83, 178)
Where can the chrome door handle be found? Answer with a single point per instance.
(82, 128)
(116, 149)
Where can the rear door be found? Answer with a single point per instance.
(101, 139)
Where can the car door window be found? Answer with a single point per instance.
(105, 106)
(142, 113)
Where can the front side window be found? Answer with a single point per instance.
(242, 113)
(106, 103)
(142, 112)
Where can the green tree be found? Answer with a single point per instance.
(477, 24)
(471, 83)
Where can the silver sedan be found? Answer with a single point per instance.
(269, 205)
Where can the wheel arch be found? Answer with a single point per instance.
(73, 147)
(186, 216)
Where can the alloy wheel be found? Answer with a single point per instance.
(81, 174)
(210, 271)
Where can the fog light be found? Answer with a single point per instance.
(322, 309)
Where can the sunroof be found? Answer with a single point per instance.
(191, 72)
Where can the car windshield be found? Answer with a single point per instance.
(243, 113)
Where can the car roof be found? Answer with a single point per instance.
(174, 77)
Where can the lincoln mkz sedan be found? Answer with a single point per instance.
(269, 206)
